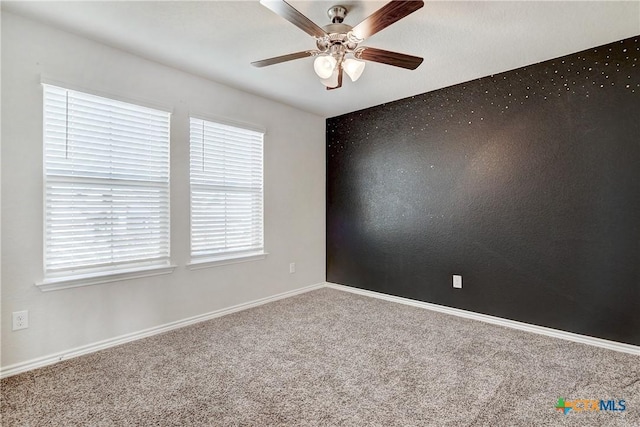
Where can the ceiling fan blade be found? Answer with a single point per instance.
(387, 57)
(283, 58)
(385, 16)
(289, 13)
(339, 80)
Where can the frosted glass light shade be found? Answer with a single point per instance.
(332, 81)
(324, 66)
(353, 68)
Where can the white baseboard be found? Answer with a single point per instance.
(555, 333)
(39, 362)
(101, 345)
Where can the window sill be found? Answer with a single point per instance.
(225, 260)
(55, 284)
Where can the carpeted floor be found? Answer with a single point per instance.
(329, 358)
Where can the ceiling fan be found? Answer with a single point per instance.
(337, 42)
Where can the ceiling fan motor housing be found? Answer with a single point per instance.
(336, 32)
(337, 35)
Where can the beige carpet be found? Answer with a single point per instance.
(329, 358)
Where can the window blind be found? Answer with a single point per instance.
(106, 184)
(226, 190)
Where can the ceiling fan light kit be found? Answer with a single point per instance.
(353, 68)
(336, 41)
(324, 66)
(331, 81)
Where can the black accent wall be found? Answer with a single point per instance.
(526, 183)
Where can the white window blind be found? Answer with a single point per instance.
(106, 185)
(226, 191)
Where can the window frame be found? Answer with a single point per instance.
(98, 273)
(226, 257)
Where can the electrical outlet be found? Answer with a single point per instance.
(292, 267)
(457, 281)
(20, 320)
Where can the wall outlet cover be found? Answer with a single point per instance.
(20, 320)
(457, 281)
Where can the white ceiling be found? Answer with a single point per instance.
(460, 41)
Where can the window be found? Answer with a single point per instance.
(226, 192)
(106, 187)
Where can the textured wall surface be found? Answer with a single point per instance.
(527, 183)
